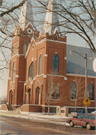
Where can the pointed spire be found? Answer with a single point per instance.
(26, 14)
(51, 19)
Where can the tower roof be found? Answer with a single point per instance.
(26, 14)
(51, 19)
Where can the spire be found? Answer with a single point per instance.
(26, 14)
(51, 19)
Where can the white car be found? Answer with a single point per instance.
(94, 112)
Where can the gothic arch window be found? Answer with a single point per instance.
(40, 65)
(52, 91)
(31, 70)
(91, 91)
(13, 74)
(73, 90)
(57, 92)
(55, 64)
(56, 38)
(24, 49)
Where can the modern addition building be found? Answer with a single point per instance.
(41, 65)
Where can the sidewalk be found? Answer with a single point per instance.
(52, 118)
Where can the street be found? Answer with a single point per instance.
(17, 126)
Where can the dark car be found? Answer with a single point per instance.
(85, 120)
(79, 112)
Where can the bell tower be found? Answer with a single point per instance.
(23, 33)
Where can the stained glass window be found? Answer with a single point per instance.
(91, 92)
(40, 65)
(73, 90)
(55, 64)
(31, 70)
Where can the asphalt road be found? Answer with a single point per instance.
(18, 126)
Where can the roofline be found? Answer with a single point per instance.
(45, 39)
(88, 76)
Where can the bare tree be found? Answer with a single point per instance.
(77, 17)
(77, 89)
(55, 91)
(3, 100)
(8, 19)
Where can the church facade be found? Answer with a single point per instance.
(40, 71)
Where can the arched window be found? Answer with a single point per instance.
(56, 38)
(40, 65)
(57, 92)
(52, 91)
(91, 92)
(73, 90)
(24, 49)
(55, 64)
(13, 74)
(31, 70)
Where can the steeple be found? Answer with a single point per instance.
(51, 19)
(26, 14)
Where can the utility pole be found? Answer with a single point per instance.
(86, 92)
(86, 95)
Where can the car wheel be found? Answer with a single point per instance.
(88, 126)
(71, 124)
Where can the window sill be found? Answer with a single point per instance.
(92, 100)
(73, 99)
(54, 99)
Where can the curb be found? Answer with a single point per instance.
(36, 118)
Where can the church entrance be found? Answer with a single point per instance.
(29, 96)
(37, 100)
(11, 97)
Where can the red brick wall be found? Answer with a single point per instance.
(31, 108)
(4, 107)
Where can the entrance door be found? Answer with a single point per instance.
(29, 96)
(38, 96)
(11, 96)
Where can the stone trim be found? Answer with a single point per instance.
(46, 55)
(45, 76)
(17, 76)
(80, 75)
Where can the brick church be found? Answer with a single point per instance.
(42, 70)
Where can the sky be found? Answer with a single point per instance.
(71, 39)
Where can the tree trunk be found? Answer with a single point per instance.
(48, 109)
(76, 105)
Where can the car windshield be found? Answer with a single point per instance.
(81, 111)
(92, 117)
(80, 116)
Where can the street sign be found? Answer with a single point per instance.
(86, 94)
(86, 101)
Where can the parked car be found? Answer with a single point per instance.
(94, 112)
(85, 120)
